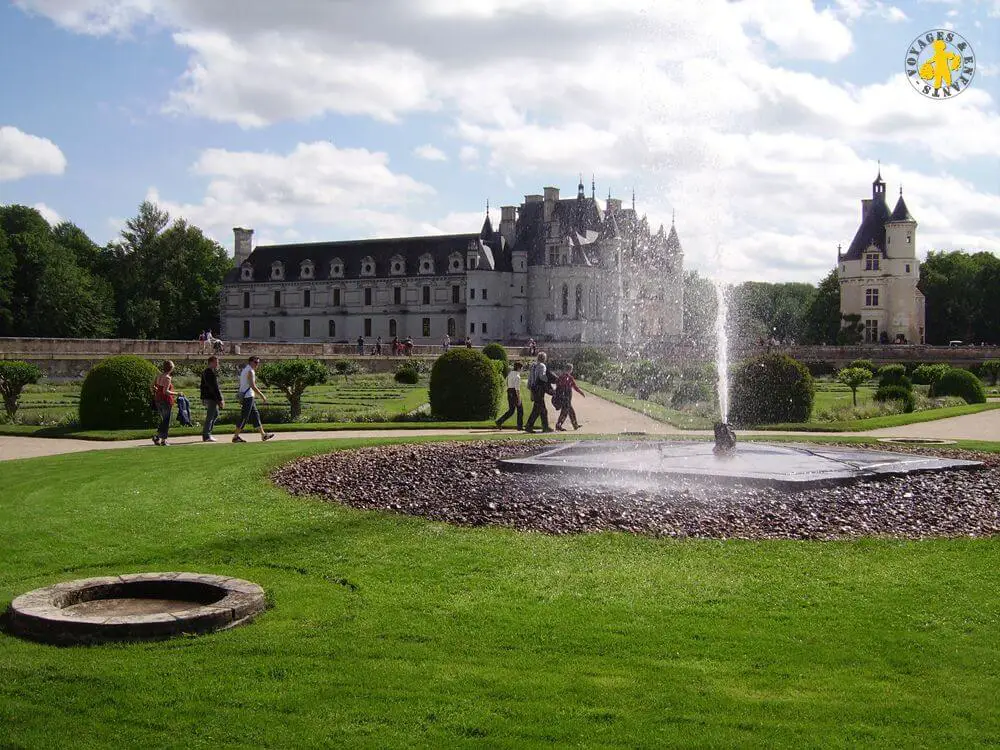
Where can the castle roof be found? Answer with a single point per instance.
(901, 212)
(871, 231)
(382, 251)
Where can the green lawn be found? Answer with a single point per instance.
(393, 631)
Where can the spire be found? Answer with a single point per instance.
(487, 208)
(878, 185)
(673, 217)
(901, 212)
(593, 187)
(487, 231)
(633, 199)
(579, 188)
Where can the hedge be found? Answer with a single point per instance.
(960, 383)
(771, 388)
(116, 394)
(465, 385)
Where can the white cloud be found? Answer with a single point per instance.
(49, 214)
(468, 154)
(24, 155)
(430, 153)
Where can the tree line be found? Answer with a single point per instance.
(159, 279)
(961, 292)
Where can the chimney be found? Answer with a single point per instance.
(242, 245)
(551, 198)
(508, 222)
(866, 204)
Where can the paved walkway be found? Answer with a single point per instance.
(599, 417)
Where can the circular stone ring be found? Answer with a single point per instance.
(140, 606)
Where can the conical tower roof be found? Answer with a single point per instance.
(901, 212)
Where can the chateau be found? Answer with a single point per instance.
(554, 269)
(879, 272)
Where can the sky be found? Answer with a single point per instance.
(759, 124)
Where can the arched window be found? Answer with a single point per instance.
(579, 300)
(565, 299)
(332, 333)
(451, 327)
(392, 327)
(397, 265)
(270, 328)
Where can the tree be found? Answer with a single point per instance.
(14, 375)
(700, 304)
(761, 310)
(991, 369)
(822, 322)
(292, 377)
(7, 265)
(961, 298)
(144, 227)
(853, 378)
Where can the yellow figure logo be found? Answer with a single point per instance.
(940, 65)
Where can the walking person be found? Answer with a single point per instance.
(211, 398)
(563, 400)
(248, 404)
(361, 346)
(513, 398)
(164, 397)
(538, 384)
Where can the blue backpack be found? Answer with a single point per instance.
(184, 411)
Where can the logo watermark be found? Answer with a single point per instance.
(940, 64)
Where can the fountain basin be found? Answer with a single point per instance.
(782, 466)
(141, 606)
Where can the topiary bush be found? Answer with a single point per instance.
(929, 374)
(771, 388)
(14, 375)
(894, 375)
(495, 351)
(116, 394)
(960, 383)
(292, 377)
(900, 393)
(866, 364)
(465, 385)
(407, 373)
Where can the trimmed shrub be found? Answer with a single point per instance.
(407, 373)
(929, 374)
(866, 364)
(691, 392)
(465, 384)
(495, 351)
(292, 377)
(960, 383)
(854, 378)
(116, 394)
(893, 375)
(771, 388)
(895, 392)
(14, 375)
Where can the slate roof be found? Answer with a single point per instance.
(351, 252)
(871, 231)
(901, 212)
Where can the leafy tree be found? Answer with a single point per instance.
(822, 322)
(292, 377)
(14, 375)
(991, 369)
(853, 378)
(86, 252)
(142, 229)
(700, 306)
(71, 303)
(961, 298)
(8, 262)
(761, 310)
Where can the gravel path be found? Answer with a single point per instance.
(461, 483)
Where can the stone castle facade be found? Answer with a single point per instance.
(554, 269)
(879, 272)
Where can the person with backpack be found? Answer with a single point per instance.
(563, 399)
(164, 396)
(538, 385)
(513, 398)
(211, 398)
(248, 404)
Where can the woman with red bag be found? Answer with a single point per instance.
(164, 396)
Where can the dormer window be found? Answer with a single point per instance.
(277, 271)
(246, 273)
(336, 268)
(426, 263)
(872, 261)
(397, 265)
(455, 263)
(368, 266)
(307, 269)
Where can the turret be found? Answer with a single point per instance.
(242, 245)
(901, 231)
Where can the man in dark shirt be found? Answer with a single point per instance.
(211, 397)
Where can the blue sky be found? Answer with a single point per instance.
(759, 122)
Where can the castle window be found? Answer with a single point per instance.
(871, 331)
(426, 295)
(246, 329)
(397, 295)
(472, 293)
(392, 327)
(271, 329)
(425, 324)
(368, 299)
(277, 270)
(426, 263)
(455, 262)
(397, 266)
(368, 266)
(337, 268)
(456, 294)
(472, 327)
(565, 299)
(246, 273)
(246, 298)
(484, 294)
(336, 297)
(277, 299)
(368, 326)
(909, 239)
(307, 298)
(484, 328)
(306, 328)
(907, 267)
(872, 262)
(306, 269)
(871, 297)
(579, 300)
(451, 327)
(331, 328)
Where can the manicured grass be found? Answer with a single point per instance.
(394, 631)
(660, 413)
(890, 420)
